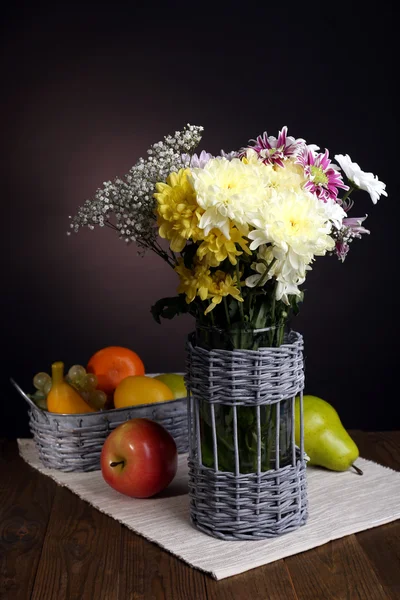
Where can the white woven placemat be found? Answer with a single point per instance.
(340, 504)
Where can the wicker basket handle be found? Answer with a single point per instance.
(22, 393)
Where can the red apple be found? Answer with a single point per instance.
(139, 458)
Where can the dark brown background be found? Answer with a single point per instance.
(87, 89)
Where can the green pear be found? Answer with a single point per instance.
(326, 441)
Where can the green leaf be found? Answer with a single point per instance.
(294, 303)
(168, 308)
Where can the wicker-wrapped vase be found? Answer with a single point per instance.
(242, 399)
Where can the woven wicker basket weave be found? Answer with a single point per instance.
(241, 505)
(74, 442)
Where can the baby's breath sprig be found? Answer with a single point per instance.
(127, 204)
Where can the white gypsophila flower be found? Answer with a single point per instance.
(129, 200)
(297, 226)
(362, 180)
(227, 191)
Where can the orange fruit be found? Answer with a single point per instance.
(112, 364)
(139, 389)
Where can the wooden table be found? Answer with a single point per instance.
(54, 546)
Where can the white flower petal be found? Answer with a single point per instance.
(364, 181)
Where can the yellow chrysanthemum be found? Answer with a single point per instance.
(222, 285)
(196, 282)
(216, 247)
(178, 211)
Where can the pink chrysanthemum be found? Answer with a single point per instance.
(273, 151)
(324, 177)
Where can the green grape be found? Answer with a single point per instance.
(47, 387)
(97, 399)
(40, 380)
(85, 396)
(77, 384)
(80, 384)
(91, 381)
(40, 400)
(76, 373)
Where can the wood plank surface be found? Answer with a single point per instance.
(382, 544)
(150, 573)
(338, 570)
(53, 545)
(26, 499)
(382, 447)
(81, 556)
(270, 582)
(351, 567)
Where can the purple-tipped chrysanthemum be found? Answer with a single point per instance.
(324, 178)
(229, 155)
(341, 249)
(351, 228)
(273, 151)
(354, 226)
(197, 161)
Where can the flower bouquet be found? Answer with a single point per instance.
(241, 230)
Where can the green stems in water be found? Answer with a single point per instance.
(241, 311)
(273, 305)
(212, 316)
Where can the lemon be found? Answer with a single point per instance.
(140, 389)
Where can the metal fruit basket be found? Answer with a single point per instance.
(74, 442)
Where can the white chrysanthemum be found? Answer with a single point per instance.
(334, 212)
(287, 279)
(265, 256)
(284, 289)
(298, 227)
(364, 181)
(289, 177)
(227, 191)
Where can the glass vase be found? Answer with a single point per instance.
(211, 338)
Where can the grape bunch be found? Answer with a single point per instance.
(84, 383)
(42, 384)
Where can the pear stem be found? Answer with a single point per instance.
(357, 470)
(115, 464)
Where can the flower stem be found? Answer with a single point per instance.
(212, 316)
(261, 281)
(264, 276)
(228, 320)
(273, 304)
(240, 303)
(347, 194)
